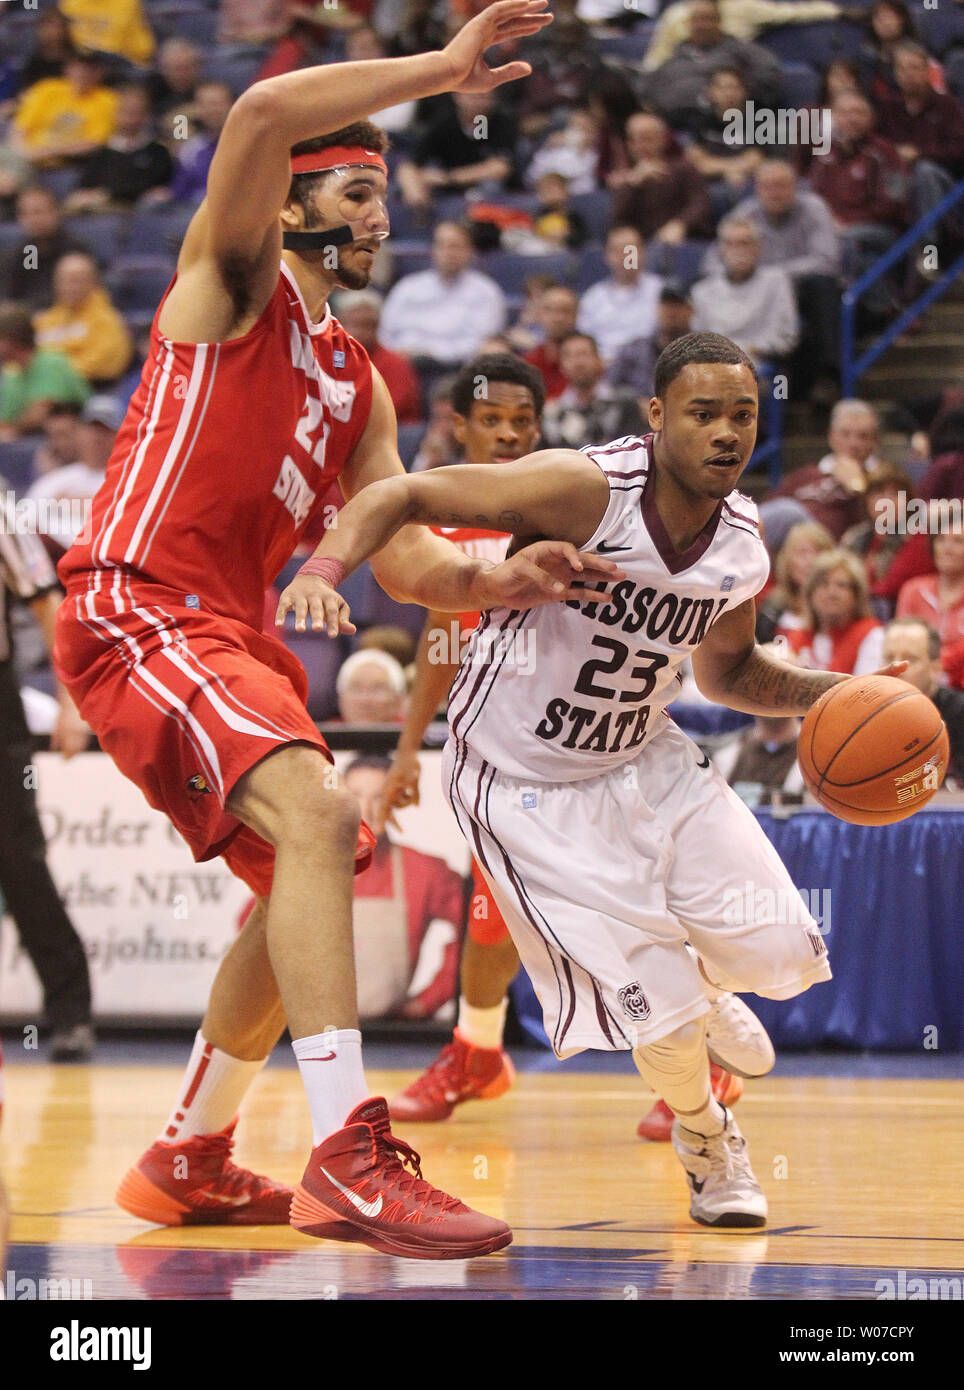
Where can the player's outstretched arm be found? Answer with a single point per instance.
(731, 669)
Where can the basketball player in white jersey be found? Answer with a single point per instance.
(611, 845)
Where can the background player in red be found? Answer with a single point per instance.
(251, 401)
(498, 403)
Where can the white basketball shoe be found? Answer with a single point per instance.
(736, 1039)
(723, 1190)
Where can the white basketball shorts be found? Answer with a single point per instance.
(602, 882)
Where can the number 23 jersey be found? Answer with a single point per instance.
(572, 690)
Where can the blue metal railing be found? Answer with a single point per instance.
(770, 451)
(853, 367)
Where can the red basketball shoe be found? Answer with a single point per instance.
(357, 1187)
(656, 1126)
(460, 1072)
(194, 1183)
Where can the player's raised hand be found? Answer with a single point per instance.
(498, 23)
(544, 572)
(308, 596)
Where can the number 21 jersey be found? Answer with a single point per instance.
(572, 690)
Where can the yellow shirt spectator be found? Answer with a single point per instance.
(83, 324)
(114, 26)
(740, 19)
(59, 117)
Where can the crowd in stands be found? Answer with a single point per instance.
(580, 219)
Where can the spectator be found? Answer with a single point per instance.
(740, 19)
(172, 86)
(15, 175)
(119, 28)
(359, 312)
(748, 302)
(916, 642)
(53, 47)
(612, 100)
(634, 364)
(251, 23)
(27, 266)
(570, 152)
(130, 164)
(890, 24)
(923, 124)
(783, 610)
(83, 324)
(726, 162)
(79, 481)
(64, 118)
(938, 598)
(364, 44)
(763, 760)
(438, 446)
(61, 441)
(555, 221)
(371, 689)
(862, 180)
(678, 81)
(213, 101)
(661, 194)
(840, 633)
(623, 306)
(589, 410)
(469, 142)
(797, 234)
(945, 477)
(839, 76)
(527, 331)
(832, 490)
(407, 916)
(558, 307)
(876, 545)
(442, 314)
(31, 380)
(386, 637)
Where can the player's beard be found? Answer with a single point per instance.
(350, 277)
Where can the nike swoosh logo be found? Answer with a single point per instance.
(705, 762)
(329, 1058)
(605, 549)
(370, 1209)
(224, 1200)
(697, 1186)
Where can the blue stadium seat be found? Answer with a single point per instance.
(954, 72)
(816, 44)
(137, 283)
(321, 657)
(238, 73)
(407, 225)
(10, 235)
(409, 438)
(409, 256)
(198, 25)
(105, 233)
(511, 270)
(159, 231)
(596, 210)
(592, 267)
(676, 262)
(16, 463)
(801, 84)
(939, 29)
(628, 47)
(59, 181)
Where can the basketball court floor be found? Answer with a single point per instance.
(862, 1160)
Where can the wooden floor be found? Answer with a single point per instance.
(864, 1177)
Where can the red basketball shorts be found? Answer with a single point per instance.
(486, 924)
(185, 702)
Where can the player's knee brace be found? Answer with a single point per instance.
(677, 1066)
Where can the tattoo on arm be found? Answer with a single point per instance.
(775, 685)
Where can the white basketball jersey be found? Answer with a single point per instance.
(574, 689)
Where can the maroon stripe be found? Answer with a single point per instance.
(465, 665)
(618, 448)
(572, 1005)
(615, 473)
(495, 676)
(746, 531)
(483, 672)
(734, 512)
(601, 1011)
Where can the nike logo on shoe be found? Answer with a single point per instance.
(705, 762)
(369, 1209)
(221, 1197)
(330, 1058)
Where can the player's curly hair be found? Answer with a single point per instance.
(496, 366)
(363, 133)
(696, 347)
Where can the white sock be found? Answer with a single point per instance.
(213, 1089)
(331, 1068)
(482, 1027)
(709, 1121)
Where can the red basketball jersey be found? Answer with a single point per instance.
(225, 455)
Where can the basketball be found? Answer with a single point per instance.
(873, 750)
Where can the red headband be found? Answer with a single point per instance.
(336, 157)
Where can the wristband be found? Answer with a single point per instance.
(331, 571)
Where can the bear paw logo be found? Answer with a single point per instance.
(198, 784)
(633, 1001)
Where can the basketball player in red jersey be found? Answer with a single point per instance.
(252, 399)
(498, 404)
